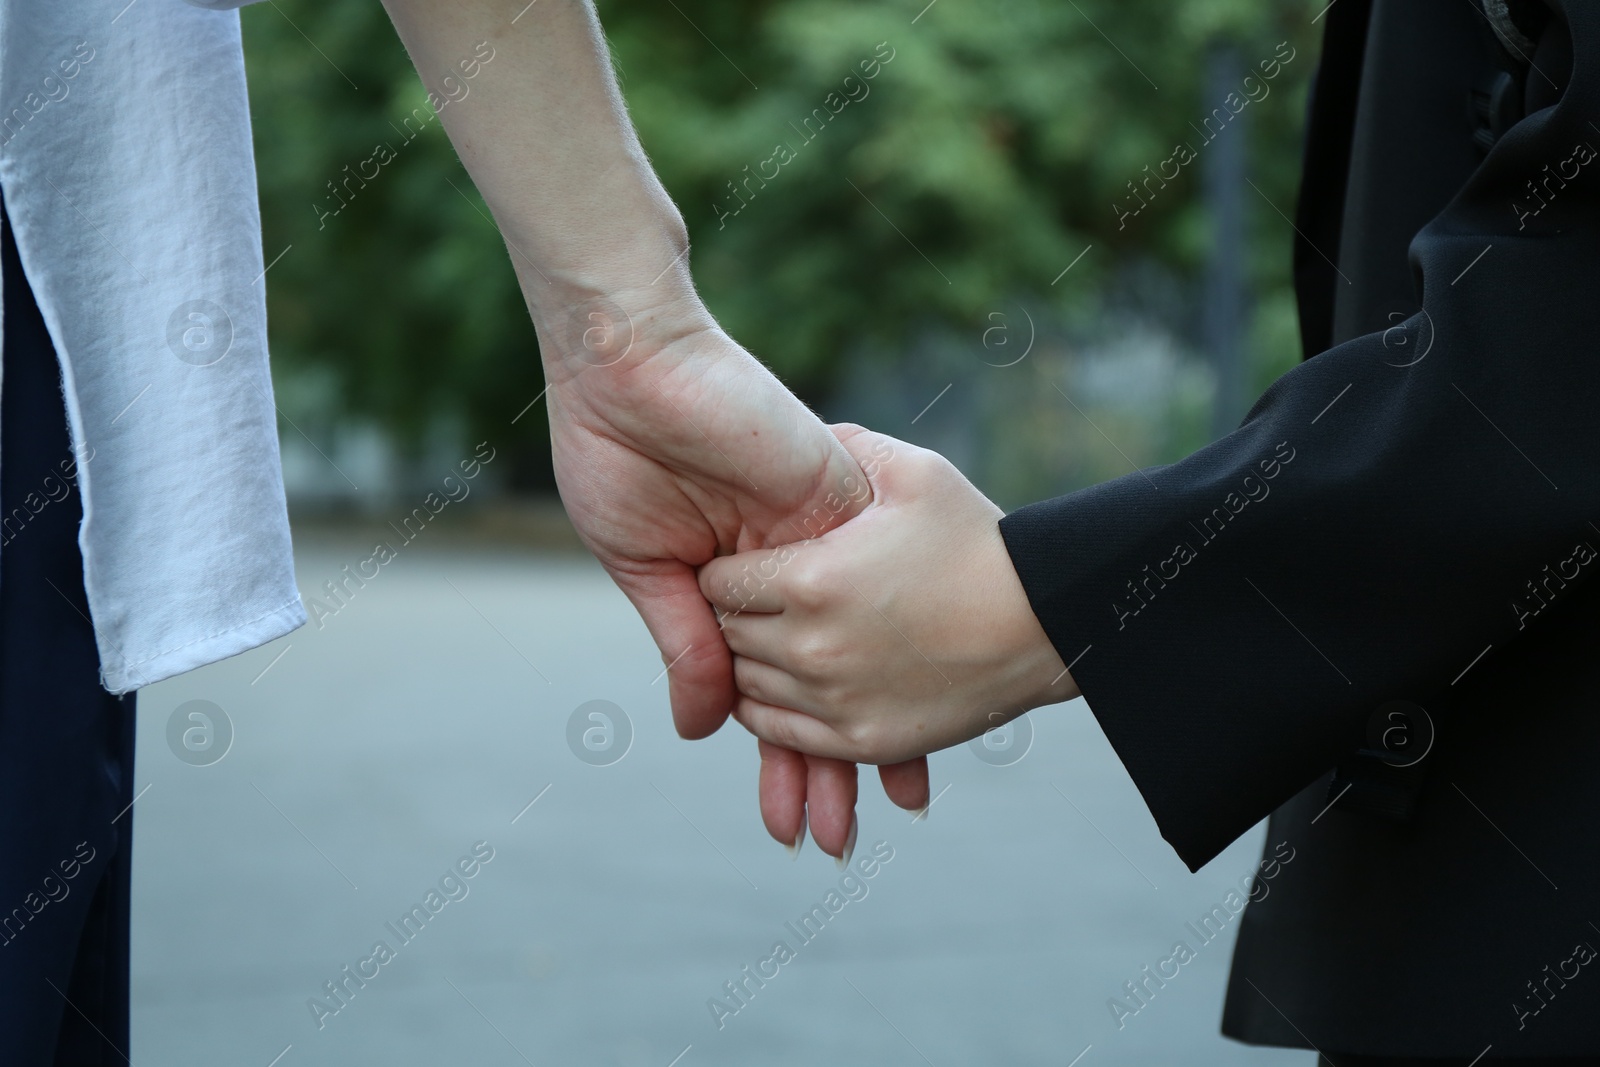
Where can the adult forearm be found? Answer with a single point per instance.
(670, 442)
(546, 137)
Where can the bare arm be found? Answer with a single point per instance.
(671, 444)
(546, 137)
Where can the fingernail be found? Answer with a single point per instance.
(849, 844)
(799, 839)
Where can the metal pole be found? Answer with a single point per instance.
(1222, 324)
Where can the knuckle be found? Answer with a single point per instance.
(725, 591)
(818, 654)
(809, 585)
(748, 681)
(735, 590)
(867, 741)
(777, 729)
(925, 463)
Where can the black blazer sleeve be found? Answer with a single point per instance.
(1377, 521)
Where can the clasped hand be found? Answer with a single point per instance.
(673, 444)
(873, 632)
(900, 632)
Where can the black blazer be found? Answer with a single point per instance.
(1411, 514)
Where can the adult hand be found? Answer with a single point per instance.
(901, 632)
(673, 445)
(670, 442)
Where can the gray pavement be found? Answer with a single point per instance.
(374, 753)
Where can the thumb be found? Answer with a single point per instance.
(871, 450)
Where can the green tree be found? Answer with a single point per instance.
(989, 147)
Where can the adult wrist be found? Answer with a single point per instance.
(591, 326)
(617, 305)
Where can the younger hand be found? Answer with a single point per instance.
(898, 633)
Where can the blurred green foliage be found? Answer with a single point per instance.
(982, 158)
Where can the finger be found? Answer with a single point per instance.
(906, 783)
(699, 666)
(744, 581)
(831, 805)
(758, 636)
(782, 790)
(772, 686)
(791, 729)
(844, 492)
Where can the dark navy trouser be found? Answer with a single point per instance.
(66, 745)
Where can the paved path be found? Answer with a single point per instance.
(370, 756)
